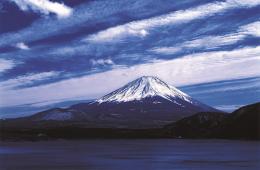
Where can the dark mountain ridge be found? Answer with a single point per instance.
(240, 124)
(243, 123)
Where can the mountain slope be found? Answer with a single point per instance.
(243, 123)
(200, 125)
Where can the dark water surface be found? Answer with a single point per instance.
(150, 154)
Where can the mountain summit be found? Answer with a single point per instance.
(143, 87)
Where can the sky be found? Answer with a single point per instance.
(56, 51)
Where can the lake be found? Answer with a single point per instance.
(134, 154)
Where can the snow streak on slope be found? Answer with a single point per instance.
(144, 87)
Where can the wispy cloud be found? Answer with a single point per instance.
(101, 62)
(166, 50)
(251, 29)
(44, 6)
(22, 46)
(211, 42)
(6, 65)
(208, 42)
(234, 85)
(228, 108)
(191, 69)
(27, 79)
(141, 28)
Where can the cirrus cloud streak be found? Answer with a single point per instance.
(140, 28)
(44, 6)
(191, 69)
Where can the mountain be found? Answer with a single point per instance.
(146, 102)
(243, 123)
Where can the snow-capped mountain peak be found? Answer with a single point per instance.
(146, 102)
(146, 86)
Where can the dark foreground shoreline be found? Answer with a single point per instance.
(72, 133)
(81, 133)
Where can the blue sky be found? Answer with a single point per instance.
(56, 51)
